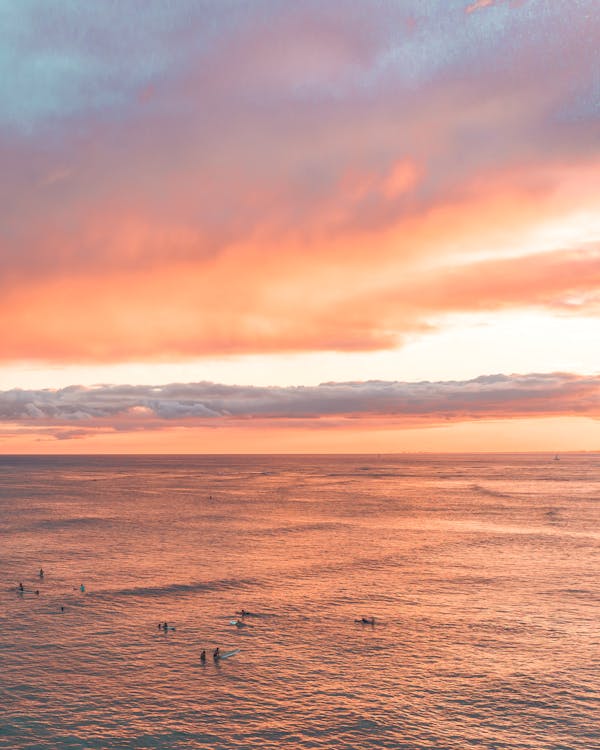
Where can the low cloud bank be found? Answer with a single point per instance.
(128, 407)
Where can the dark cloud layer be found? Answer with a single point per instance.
(149, 407)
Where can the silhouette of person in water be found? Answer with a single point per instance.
(41, 572)
(216, 654)
(37, 593)
(62, 609)
(21, 587)
(203, 656)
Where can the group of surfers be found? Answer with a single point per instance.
(216, 653)
(21, 589)
(242, 613)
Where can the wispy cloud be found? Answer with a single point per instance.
(479, 5)
(482, 4)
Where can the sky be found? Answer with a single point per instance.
(280, 226)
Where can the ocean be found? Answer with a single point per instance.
(482, 574)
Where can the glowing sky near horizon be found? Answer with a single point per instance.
(275, 195)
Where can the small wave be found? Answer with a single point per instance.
(69, 523)
(366, 473)
(490, 493)
(301, 528)
(178, 588)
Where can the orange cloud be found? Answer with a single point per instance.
(353, 289)
(520, 434)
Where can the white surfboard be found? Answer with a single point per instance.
(227, 654)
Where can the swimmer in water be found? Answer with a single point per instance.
(21, 589)
(203, 656)
(41, 572)
(82, 588)
(216, 654)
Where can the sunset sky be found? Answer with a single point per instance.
(270, 226)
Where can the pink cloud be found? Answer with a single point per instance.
(479, 5)
(299, 165)
(482, 4)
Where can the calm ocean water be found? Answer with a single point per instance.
(482, 573)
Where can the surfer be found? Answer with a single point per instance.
(216, 654)
(21, 589)
(203, 656)
(82, 588)
(62, 609)
(41, 572)
(37, 592)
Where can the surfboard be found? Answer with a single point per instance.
(227, 654)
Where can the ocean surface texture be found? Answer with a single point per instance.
(481, 571)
